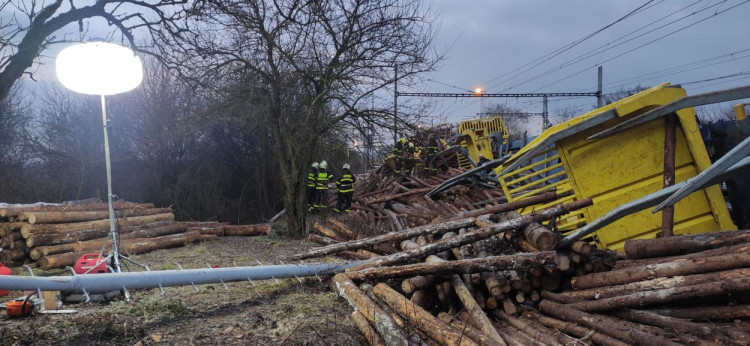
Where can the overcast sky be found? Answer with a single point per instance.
(488, 42)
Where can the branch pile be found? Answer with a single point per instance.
(56, 235)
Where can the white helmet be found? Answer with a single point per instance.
(346, 166)
(411, 145)
(315, 165)
(323, 164)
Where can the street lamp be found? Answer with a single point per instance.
(101, 68)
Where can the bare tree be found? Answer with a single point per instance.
(308, 65)
(516, 121)
(28, 27)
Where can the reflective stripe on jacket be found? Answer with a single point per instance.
(322, 180)
(346, 183)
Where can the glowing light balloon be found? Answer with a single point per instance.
(99, 68)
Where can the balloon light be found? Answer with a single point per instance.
(99, 68)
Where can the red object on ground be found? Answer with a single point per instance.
(4, 271)
(88, 261)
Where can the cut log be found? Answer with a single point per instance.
(383, 323)
(678, 245)
(34, 217)
(581, 247)
(474, 265)
(217, 231)
(734, 249)
(42, 239)
(314, 238)
(468, 330)
(417, 283)
(328, 233)
(547, 196)
(470, 237)
(704, 331)
(535, 329)
(623, 330)
(647, 298)
(16, 211)
(400, 195)
(247, 230)
(573, 329)
(714, 313)
(131, 246)
(208, 237)
(436, 329)
(538, 235)
(27, 230)
(371, 336)
(342, 229)
(686, 267)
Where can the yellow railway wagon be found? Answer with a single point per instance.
(618, 169)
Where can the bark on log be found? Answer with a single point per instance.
(208, 237)
(547, 196)
(573, 329)
(415, 336)
(538, 235)
(366, 329)
(42, 239)
(620, 329)
(647, 298)
(518, 337)
(677, 245)
(314, 238)
(474, 265)
(344, 230)
(131, 246)
(79, 226)
(655, 284)
(436, 329)
(328, 233)
(470, 237)
(417, 283)
(10, 227)
(389, 237)
(581, 247)
(39, 217)
(713, 313)
(400, 195)
(217, 231)
(247, 230)
(535, 329)
(735, 249)
(383, 323)
(704, 331)
(15, 211)
(97, 244)
(468, 330)
(633, 274)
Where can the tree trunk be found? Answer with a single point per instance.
(81, 216)
(79, 226)
(16, 211)
(247, 230)
(661, 247)
(42, 239)
(723, 313)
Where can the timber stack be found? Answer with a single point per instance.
(56, 235)
(484, 274)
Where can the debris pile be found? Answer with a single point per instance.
(477, 272)
(56, 235)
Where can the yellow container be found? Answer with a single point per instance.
(620, 168)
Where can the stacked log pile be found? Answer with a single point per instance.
(55, 236)
(486, 275)
(385, 203)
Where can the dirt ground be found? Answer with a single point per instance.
(290, 313)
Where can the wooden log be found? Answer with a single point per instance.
(131, 246)
(713, 313)
(704, 331)
(12, 255)
(538, 235)
(474, 265)
(328, 233)
(470, 237)
(683, 244)
(470, 304)
(217, 231)
(640, 299)
(383, 323)
(573, 329)
(581, 247)
(247, 230)
(403, 209)
(16, 211)
(371, 336)
(342, 229)
(389, 237)
(655, 284)
(34, 217)
(633, 274)
(623, 330)
(10, 227)
(314, 238)
(417, 283)
(515, 336)
(42, 239)
(97, 244)
(548, 196)
(734, 249)
(535, 329)
(27, 230)
(468, 330)
(208, 237)
(436, 329)
(415, 336)
(400, 195)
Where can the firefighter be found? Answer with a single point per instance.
(312, 196)
(398, 153)
(409, 153)
(321, 185)
(345, 190)
(430, 167)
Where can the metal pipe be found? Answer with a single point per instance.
(110, 197)
(106, 282)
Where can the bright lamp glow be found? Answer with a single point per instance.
(99, 68)
(478, 91)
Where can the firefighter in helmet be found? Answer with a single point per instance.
(322, 185)
(312, 176)
(345, 189)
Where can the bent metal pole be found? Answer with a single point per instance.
(166, 278)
